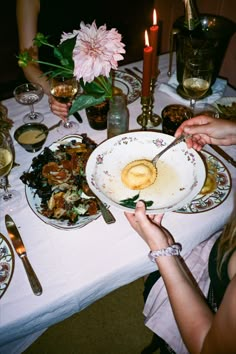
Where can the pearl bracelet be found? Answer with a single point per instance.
(173, 250)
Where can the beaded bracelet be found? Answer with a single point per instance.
(173, 250)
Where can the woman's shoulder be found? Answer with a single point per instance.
(232, 265)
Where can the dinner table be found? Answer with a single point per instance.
(78, 266)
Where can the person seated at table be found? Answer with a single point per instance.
(54, 17)
(175, 305)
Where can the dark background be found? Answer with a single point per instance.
(132, 28)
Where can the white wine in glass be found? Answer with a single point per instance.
(64, 91)
(197, 77)
(10, 198)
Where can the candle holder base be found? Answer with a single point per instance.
(143, 118)
(154, 121)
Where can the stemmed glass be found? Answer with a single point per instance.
(197, 77)
(64, 90)
(10, 198)
(29, 94)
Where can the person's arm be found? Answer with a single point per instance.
(27, 12)
(208, 130)
(196, 322)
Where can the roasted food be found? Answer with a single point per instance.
(227, 111)
(57, 178)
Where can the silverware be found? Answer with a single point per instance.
(20, 250)
(51, 128)
(78, 117)
(107, 215)
(174, 142)
(222, 153)
(131, 72)
(137, 69)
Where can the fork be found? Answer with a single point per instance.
(137, 69)
(174, 142)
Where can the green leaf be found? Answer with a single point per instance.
(84, 101)
(131, 202)
(66, 48)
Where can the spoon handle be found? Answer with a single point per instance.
(107, 215)
(174, 142)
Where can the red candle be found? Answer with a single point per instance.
(147, 67)
(153, 43)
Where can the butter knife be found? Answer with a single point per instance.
(222, 153)
(21, 251)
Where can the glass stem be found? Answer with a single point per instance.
(32, 113)
(192, 103)
(67, 123)
(7, 195)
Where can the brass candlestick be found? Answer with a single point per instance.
(148, 119)
(153, 119)
(143, 117)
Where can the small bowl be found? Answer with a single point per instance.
(206, 109)
(26, 136)
(173, 116)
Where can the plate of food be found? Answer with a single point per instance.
(215, 190)
(7, 263)
(119, 172)
(55, 184)
(227, 107)
(128, 84)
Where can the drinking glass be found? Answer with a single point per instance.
(10, 199)
(197, 77)
(29, 94)
(64, 90)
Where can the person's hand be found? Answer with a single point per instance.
(149, 227)
(60, 109)
(208, 130)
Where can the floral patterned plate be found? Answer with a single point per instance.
(34, 200)
(7, 263)
(181, 172)
(130, 86)
(221, 176)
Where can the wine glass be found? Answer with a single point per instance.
(64, 90)
(29, 94)
(10, 198)
(197, 77)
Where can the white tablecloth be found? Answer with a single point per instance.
(78, 267)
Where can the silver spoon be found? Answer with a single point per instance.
(51, 128)
(174, 142)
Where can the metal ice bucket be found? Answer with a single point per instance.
(217, 34)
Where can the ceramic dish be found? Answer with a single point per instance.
(34, 200)
(211, 200)
(181, 172)
(224, 106)
(130, 86)
(7, 263)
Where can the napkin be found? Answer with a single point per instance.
(170, 89)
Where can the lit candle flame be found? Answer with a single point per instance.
(154, 17)
(146, 39)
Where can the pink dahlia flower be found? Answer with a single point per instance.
(96, 51)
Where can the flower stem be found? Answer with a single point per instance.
(54, 65)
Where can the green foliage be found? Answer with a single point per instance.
(131, 202)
